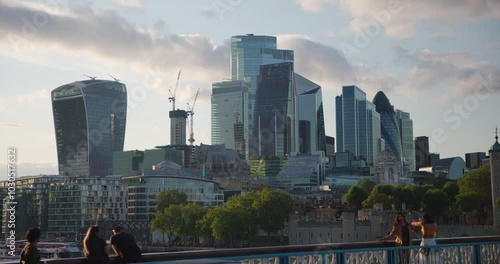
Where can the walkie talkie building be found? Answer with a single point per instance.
(89, 120)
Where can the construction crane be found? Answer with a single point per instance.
(172, 95)
(190, 113)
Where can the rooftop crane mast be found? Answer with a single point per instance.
(172, 95)
(190, 113)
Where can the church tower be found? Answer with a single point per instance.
(495, 179)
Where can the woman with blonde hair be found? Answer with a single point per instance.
(95, 247)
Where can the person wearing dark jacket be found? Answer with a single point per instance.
(94, 247)
(124, 245)
(30, 253)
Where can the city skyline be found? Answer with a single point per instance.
(438, 61)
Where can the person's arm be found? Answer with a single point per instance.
(391, 234)
(117, 251)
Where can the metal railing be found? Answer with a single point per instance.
(467, 250)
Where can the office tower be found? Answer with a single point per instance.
(388, 125)
(330, 146)
(309, 109)
(474, 160)
(178, 127)
(89, 120)
(248, 53)
(358, 125)
(229, 105)
(495, 179)
(433, 157)
(422, 158)
(274, 132)
(408, 145)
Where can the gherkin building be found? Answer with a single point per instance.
(388, 124)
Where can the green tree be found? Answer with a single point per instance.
(204, 225)
(166, 198)
(355, 197)
(168, 221)
(435, 201)
(451, 188)
(405, 194)
(366, 185)
(230, 224)
(191, 214)
(273, 208)
(468, 202)
(381, 193)
(419, 192)
(477, 182)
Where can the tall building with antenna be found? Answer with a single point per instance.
(89, 120)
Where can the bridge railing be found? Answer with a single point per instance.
(470, 250)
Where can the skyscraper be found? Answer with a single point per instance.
(408, 145)
(358, 125)
(274, 132)
(474, 160)
(388, 125)
(310, 115)
(422, 155)
(229, 108)
(248, 53)
(178, 127)
(89, 120)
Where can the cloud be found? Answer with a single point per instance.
(399, 18)
(328, 66)
(7, 124)
(130, 3)
(314, 5)
(31, 98)
(461, 71)
(114, 40)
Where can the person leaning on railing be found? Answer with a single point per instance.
(30, 253)
(401, 230)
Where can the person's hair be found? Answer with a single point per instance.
(33, 234)
(396, 220)
(91, 232)
(117, 229)
(426, 219)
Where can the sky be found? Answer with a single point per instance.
(439, 60)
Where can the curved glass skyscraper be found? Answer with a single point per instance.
(388, 125)
(89, 120)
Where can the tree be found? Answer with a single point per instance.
(168, 221)
(478, 183)
(419, 192)
(468, 202)
(451, 188)
(435, 201)
(355, 196)
(166, 198)
(204, 225)
(230, 224)
(405, 194)
(366, 185)
(191, 214)
(273, 208)
(381, 193)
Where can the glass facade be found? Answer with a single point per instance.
(358, 124)
(407, 143)
(142, 192)
(229, 107)
(312, 135)
(388, 124)
(79, 202)
(89, 119)
(178, 127)
(274, 131)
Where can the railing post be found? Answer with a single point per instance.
(477, 254)
(339, 258)
(283, 259)
(391, 256)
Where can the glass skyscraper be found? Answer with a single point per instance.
(89, 120)
(358, 125)
(407, 143)
(274, 132)
(229, 108)
(310, 115)
(389, 125)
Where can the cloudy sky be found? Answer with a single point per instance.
(439, 60)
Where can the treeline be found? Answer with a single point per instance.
(239, 219)
(472, 192)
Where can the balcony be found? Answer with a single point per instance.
(470, 250)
